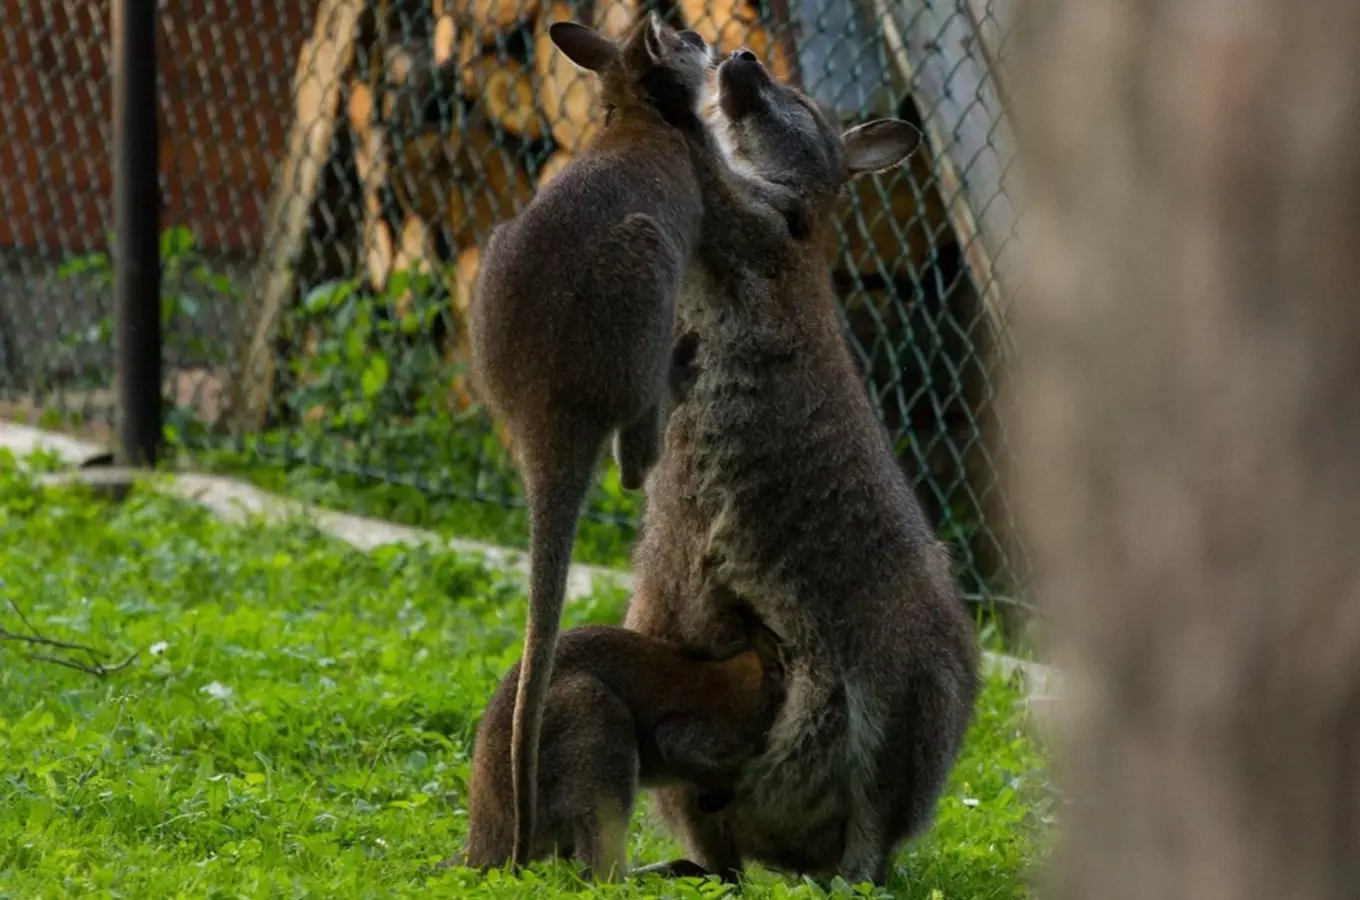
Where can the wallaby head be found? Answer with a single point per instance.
(774, 131)
(654, 67)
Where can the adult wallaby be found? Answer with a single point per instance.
(778, 492)
(623, 709)
(571, 323)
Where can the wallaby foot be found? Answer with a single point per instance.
(866, 851)
(705, 838)
(676, 868)
(637, 447)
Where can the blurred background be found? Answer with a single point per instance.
(328, 171)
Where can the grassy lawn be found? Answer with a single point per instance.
(299, 719)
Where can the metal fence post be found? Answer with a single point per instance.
(136, 192)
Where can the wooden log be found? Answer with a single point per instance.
(371, 164)
(465, 272)
(506, 93)
(360, 107)
(465, 180)
(461, 394)
(496, 15)
(496, 189)
(421, 180)
(378, 254)
(570, 96)
(317, 82)
(413, 249)
(412, 256)
(461, 280)
(445, 42)
(550, 168)
(397, 65)
(730, 24)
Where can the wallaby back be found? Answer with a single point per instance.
(572, 317)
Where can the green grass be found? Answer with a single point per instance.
(299, 720)
(601, 543)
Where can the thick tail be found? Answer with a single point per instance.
(555, 494)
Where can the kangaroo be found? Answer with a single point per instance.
(573, 315)
(622, 708)
(778, 493)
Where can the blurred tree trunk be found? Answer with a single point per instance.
(1187, 422)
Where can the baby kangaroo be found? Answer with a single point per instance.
(778, 492)
(571, 323)
(622, 709)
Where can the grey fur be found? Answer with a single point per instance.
(777, 491)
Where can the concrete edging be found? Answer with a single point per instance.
(238, 501)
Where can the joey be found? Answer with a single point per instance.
(622, 709)
(778, 491)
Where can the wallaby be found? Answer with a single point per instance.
(572, 320)
(622, 709)
(778, 493)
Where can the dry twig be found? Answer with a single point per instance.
(97, 665)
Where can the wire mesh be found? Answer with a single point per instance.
(330, 169)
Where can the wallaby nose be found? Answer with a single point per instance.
(744, 54)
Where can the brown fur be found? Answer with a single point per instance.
(572, 319)
(622, 709)
(778, 491)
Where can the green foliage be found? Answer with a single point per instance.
(299, 721)
(192, 295)
(188, 284)
(366, 358)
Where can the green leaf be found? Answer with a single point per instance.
(176, 241)
(327, 295)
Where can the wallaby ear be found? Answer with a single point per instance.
(584, 46)
(878, 145)
(651, 38)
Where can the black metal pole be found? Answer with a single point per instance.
(137, 206)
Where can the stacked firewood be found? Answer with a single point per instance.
(446, 115)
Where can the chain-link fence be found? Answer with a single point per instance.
(330, 168)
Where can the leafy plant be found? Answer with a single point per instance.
(191, 289)
(188, 282)
(299, 721)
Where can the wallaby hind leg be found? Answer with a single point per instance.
(706, 839)
(637, 447)
(675, 868)
(603, 843)
(867, 848)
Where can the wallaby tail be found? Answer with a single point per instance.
(556, 492)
